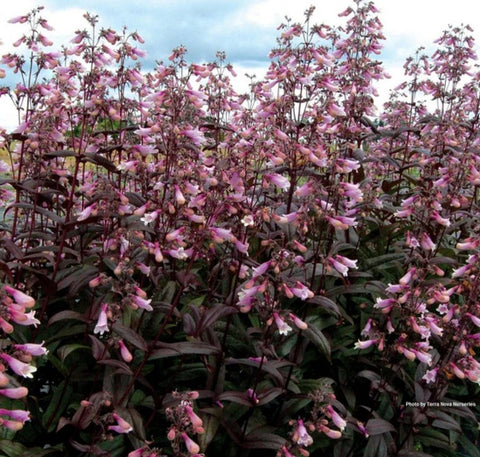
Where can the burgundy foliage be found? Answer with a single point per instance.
(186, 270)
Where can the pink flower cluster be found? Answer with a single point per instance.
(16, 359)
(185, 423)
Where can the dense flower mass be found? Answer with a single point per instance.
(16, 360)
(293, 271)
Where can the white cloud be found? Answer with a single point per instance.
(270, 13)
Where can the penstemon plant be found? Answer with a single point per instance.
(287, 272)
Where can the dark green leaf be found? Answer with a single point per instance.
(215, 313)
(413, 454)
(98, 159)
(11, 448)
(64, 153)
(184, 347)
(77, 278)
(65, 351)
(129, 335)
(319, 340)
(37, 209)
(269, 395)
(68, 314)
(370, 375)
(326, 304)
(471, 449)
(379, 427)
(236, 397)
(435, 438)
(58, 404)
(121, 366)
(271, 367)
(263, 440)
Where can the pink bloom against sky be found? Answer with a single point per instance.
(244, 29)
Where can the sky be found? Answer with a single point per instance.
(245, 29)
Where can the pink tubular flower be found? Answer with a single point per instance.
(87, 212)
(241, 247)
(124, 352)
(333, 434)
(302, 291)
(367, 328)
(141, 302)
(352, 191)
(18, 367)
(179, 196)
(304, 190)
(17, 314)
(460, 271)
(140, 292)
(261, 269)
(410, 355)
(102, 322)
(196, 422)
(148, 218)
(14, 392)
(430, 375)
(335, 110)
(385, 304)
(403, 212)
(283, 327)
(347, 165)
(219, 234)
(298, 322)
(4, 381)
(20, 297)
(439, 219)
(340, 267)
(278, 180)
(6, 326)
(404, 280)
(301, 436)
(32, 349)
(140, 452)
(342, 222)
(192, 447)
(18, 20)
(95, 282)
(179, 253)
(16, 414)
(122, 425)
(457, 371)
(352, 264)
(12, 424)
(196, 135)
(474, 319)
(432, 325)
(427, 243)
(286, 452)
(172, 433)
(336, 418)
(281, 135)
(423, 357)
(365, 344)
(469, 243)
(155, 250)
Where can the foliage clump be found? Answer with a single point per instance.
(286, 272)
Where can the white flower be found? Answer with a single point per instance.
(102, 322)
(247, 220)
(283, 327)
(149, 217)
(20, 368)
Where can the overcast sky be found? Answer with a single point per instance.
(244, 29)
